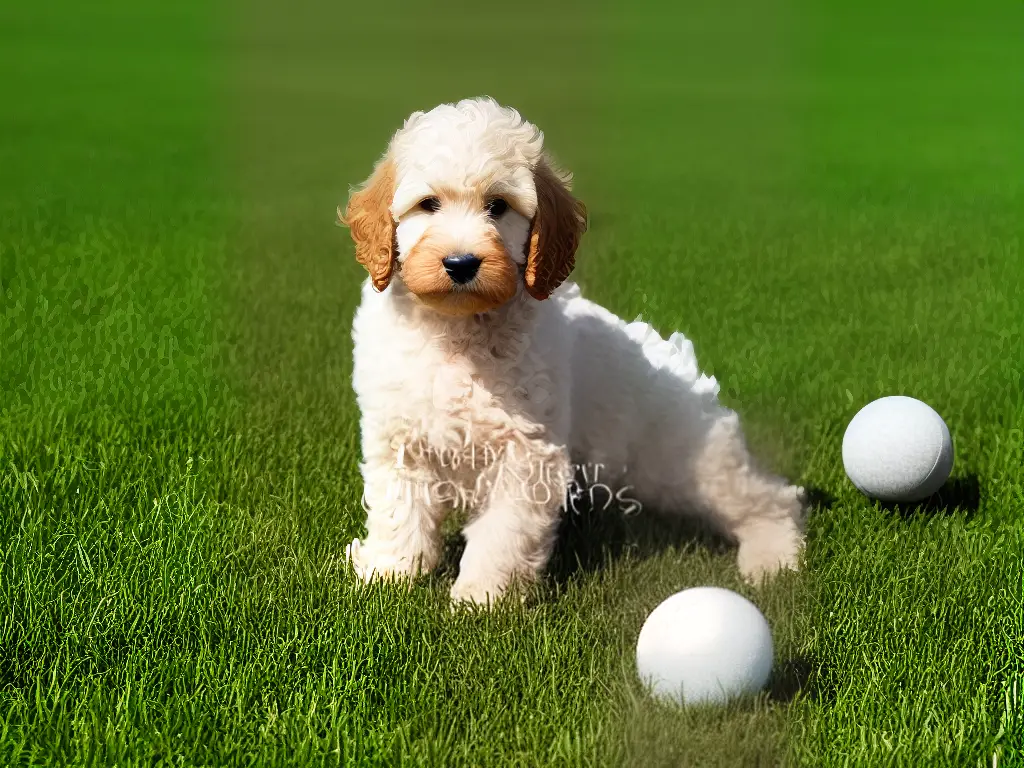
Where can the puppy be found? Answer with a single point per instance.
(483, 378)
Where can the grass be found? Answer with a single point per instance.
(828, 201)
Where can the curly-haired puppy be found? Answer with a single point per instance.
(483, 378)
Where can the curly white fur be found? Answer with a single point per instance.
(491, 411)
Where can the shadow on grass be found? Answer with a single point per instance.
(958, 496)
(819, 500)
(799, 676)
(451, 553)
(591, 539)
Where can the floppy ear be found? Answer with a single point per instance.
(368, 217)
(559, 224)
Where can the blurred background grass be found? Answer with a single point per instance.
(826, 198)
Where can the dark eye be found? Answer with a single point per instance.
(430, 204)
(496, 207)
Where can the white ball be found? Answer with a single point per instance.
(897, 449)
(704, 645)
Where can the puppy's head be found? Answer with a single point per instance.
(463, 207)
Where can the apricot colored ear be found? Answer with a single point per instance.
(557, 228)
(368, 217)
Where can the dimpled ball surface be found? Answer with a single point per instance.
(897, 449)
(704, 645)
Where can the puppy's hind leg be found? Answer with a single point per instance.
(762, 512)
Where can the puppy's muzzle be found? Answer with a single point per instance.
(461, 268)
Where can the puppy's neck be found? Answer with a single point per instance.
(489, 333)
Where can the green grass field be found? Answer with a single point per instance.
(829, 201)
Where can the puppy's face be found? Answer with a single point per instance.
(460, 250)
(463, 208)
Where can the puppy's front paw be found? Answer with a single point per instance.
(485, 594)
(358, 558)
(474, 593)
(370, 562)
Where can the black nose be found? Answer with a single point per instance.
(462, 268)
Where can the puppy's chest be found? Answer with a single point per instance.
(460, 390)
(466, 405)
